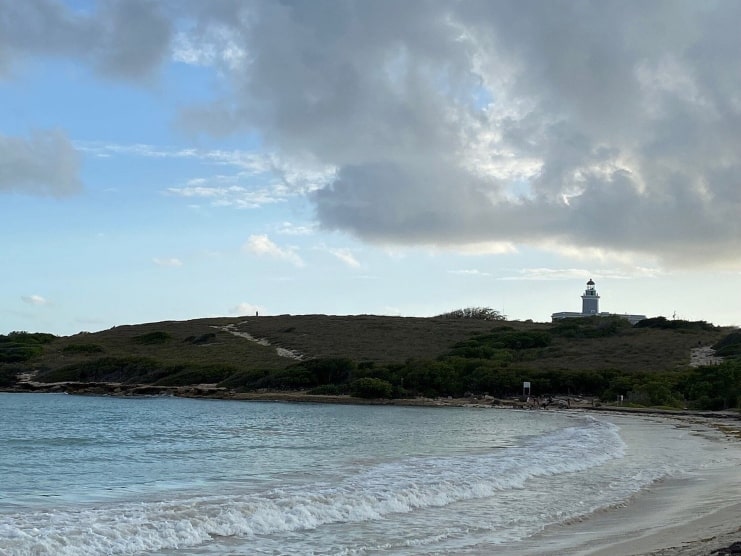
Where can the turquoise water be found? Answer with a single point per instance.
(103, 475)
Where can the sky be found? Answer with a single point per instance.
(181, 159)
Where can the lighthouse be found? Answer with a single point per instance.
(590, 300)
(590, 308)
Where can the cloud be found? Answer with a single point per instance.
(124, 40)
(344, 255)
(44, 164)
(605, 127)
(577, 124)
(245, 309)
(290, 229)
(259, 179)
(169, 262)
(549, 274)
(469, 272)
(262, 245)
(227, 195)
(34, 300)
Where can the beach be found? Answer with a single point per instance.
(673, 518)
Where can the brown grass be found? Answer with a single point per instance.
(372, 338)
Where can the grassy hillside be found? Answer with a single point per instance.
(405, 356)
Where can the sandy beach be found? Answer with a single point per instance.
(673, 518)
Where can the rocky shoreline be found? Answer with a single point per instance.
(212, 391)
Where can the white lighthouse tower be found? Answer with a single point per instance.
(590, 300)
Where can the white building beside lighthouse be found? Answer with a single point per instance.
(590, 308)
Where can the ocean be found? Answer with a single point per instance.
(83, 475)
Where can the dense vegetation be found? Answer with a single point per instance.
(484, 365)
(138, 370)
(22, 346)
(471, 352)
(16, 349)
(478, 313)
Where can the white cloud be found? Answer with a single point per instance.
(235, 196)
(290, 229)
(551, 274)
(624, 273)
(171, 262)
(245, 308)
(262, 245)
(216, 45)
(469, 272)
(249, 161)
(260, 178)
(344, 255)
(35, 300)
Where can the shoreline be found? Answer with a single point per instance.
(676, 516)
(211, 391)
(616, 532)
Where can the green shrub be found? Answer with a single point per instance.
(590, 327)
(729, 346)
(674, 324)
(17, 347)
(8, 376)
(106, 369)
(326, 390)
(478, 313)
(202, 339)
(718, 386)
(330, 370)
(18, 353)
(86, 349)
(152, 338)
(287, 379)
(31, 337)
(186, 375)
(244, 380)
(371, 388)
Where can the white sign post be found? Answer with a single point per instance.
(525, 388)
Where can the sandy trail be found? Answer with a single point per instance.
(280, 351)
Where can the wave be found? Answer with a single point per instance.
(371, 494)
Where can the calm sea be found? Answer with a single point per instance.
(167, 476)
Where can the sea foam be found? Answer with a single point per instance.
(376, 492)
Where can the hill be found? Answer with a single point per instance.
(390, 356)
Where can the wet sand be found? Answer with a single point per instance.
(694, 516)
